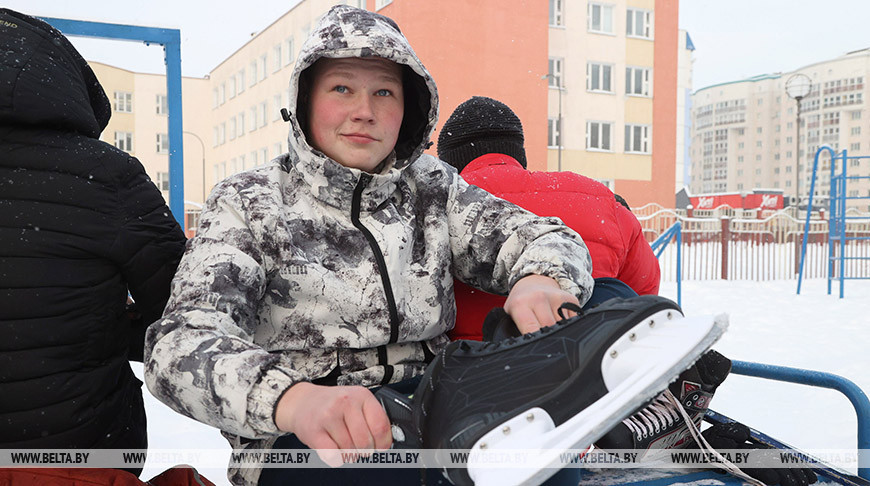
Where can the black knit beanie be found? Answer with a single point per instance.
(481, 126)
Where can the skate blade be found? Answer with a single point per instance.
(637, 367)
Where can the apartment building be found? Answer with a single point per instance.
(139, 124)
(745, 133)
(614, 77)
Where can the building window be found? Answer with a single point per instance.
(240, 82)
(222, 133)
(232, 82)
(263, 114)
(222, 93)
(124, 141)
(214, 98)
(288, 48)
(162, 143)
(379, 4)
(253, 71)
(242, 162)
(263, 69)
(276, 113)
(214, 136)
(264, 155)
(162, 106)
(856, 115)
(253, 119)
(554, 73)
(598, 135)
(123, 102)
(554, 133)
(232, 128)
(598, 77)
(254, 158)
(856, 130)
(638, 23)
(855, 147)
(240, 126)
(163, 181)
(600, 18)
(276, 63)
(556, 19)
(637, 81)
(637, 139)
(276, 149)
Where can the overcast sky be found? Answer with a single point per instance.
(734, 39)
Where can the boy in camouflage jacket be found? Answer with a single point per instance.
(331, 269)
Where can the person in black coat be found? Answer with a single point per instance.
(81, 225)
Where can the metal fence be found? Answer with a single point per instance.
(737, 244)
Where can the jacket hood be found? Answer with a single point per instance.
(350, 32)
(44, 81)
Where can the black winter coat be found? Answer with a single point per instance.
(81, 224)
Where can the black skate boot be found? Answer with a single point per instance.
(659, 426)
(557, 389)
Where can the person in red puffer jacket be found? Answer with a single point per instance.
(483, 140)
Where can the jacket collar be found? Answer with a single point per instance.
(333, 183)
(489, 160)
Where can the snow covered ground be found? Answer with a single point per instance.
(769, 324)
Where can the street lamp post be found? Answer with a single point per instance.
(798, 87)
(203, 163)
(559, 87)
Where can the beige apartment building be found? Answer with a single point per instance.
(139, 125)
(744, 133)
(619, 70)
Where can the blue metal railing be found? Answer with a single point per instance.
(170, 39)
(824, 380)
(674, 232)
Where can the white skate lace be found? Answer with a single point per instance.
(704, 445)
(659, 414)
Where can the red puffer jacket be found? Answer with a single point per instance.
(611, 232)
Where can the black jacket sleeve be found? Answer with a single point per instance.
(148, 247)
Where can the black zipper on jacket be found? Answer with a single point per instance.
(382, 266)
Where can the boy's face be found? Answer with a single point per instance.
(356, 110)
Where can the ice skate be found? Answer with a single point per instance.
(554, 390)
(659, 426)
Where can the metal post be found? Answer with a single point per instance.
(560, 124)
(203, 164)
(797, 165)
(559, 87)
(172, 49)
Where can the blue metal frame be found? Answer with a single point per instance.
(170, 39)
(837, 218)
(824, 380)
(674, 232)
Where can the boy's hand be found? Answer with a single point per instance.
(334, 417)
(534, 301)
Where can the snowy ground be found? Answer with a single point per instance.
(769, 324)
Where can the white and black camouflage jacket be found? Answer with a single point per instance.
(305, 270)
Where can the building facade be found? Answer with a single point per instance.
(745, 133)
(139, 125)
(614, 71)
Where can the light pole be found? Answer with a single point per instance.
(559, 87)
(203, 163)
(797, 87)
